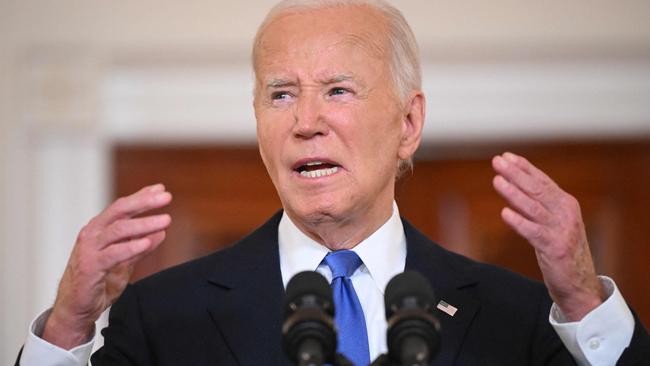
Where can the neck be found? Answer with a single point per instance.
(345, 231)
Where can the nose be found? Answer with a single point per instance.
(308, 117)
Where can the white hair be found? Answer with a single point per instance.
(403, 48)
(405, 55)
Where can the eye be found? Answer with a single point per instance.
(338, 91)
(280, 95)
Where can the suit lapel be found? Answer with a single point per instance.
(245, 302)
(452, 282)
(245, 299)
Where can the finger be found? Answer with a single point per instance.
(158, 187)
(514, 174)
(124, 229)
(124, 269)
(533, 183)
(116, 254)
(525, 165)
(146, 199)
(156, 239)
(534, 233)
(528, 207)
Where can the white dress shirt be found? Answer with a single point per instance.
(383, 254)
(598, 339)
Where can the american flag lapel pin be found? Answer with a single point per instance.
(449, 309)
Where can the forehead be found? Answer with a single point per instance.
(359, 32)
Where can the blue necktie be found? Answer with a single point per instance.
(349, 319)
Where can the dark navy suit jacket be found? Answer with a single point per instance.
(225, 309)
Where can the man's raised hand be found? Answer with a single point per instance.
(551, 221)
(101, 262)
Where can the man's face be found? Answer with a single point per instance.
(329, 124)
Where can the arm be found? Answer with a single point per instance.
(550, 220)
(100, 265)
(602, 335)
(125, 341)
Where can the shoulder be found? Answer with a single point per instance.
(502, 287)
(186, 278)
(489, 282)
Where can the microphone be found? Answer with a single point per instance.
(413, 334)
(308, 335)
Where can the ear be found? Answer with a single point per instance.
(412, 123)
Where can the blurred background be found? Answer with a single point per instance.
(98, 98)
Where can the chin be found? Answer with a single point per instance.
(316, 210)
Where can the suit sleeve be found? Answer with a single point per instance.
(638, 352)
(125, 341)
(547, 349)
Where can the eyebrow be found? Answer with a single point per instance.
(338, 78)
(281, 83)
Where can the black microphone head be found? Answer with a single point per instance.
(308, 289)
(413, 334)
(405, 288)
(308, 327)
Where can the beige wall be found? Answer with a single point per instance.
(76, 76)
(456, 24)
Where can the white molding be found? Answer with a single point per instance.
(467, 101)
(528, 100)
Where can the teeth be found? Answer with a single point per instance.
(314, 163)
(319, 173)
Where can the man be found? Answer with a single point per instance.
(339, 114)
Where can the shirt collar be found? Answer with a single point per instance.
(383, 253)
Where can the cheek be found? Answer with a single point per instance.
(381, 153)
(378, 134)
(273, 132)
(266, 142)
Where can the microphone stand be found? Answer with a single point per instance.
(383, 360)
(341, 360)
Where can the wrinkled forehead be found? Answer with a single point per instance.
(360, 28)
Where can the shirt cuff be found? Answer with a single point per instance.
(602, 335)
(38, 352)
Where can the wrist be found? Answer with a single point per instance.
(66, 332)
(579, 305)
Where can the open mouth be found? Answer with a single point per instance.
(317, 169)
